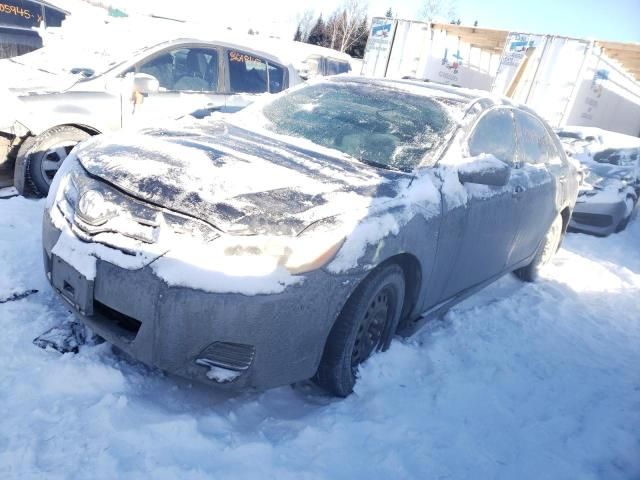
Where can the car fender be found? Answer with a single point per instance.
(96, 111)
(415, 238)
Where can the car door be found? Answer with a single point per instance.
(189, 78)
(537, 192)
(247, 76)
(485, 225)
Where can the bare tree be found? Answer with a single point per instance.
(305, 23)
(333, 30)
(354, 12)
(439, 10)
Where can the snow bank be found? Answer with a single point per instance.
(524, 381)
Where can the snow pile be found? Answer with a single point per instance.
(524, 381)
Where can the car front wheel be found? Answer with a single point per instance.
(40, 158)
(369, 318)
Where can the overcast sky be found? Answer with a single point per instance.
(617, 20)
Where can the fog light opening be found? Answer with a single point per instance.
(226, 361)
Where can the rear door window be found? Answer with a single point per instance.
(535, 144)
(495, 135)
(251, 74)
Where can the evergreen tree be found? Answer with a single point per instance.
(298, 36)
(389, 13)
(318, 34)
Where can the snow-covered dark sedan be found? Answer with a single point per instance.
(294, 239)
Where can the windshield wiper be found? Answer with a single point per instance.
(381, 165)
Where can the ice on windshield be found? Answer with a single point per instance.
(376, 125)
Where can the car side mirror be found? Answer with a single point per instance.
(144, 84)
(485, 170)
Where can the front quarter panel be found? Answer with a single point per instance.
(98, 110)
(407, 225)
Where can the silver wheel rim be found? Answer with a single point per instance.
(53, 158)
(552, 241)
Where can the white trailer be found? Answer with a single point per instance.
(436, 52)
(569, 81)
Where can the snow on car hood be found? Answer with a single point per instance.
(22, 79)
(239, 181)
(598, 187)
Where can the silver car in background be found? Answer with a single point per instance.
(610, 164)
(52, 111)
(606, 201)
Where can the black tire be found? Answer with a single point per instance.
(625, 221)
(33, 174)
(366, 324)
(546, 250)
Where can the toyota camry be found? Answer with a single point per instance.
(294, 239)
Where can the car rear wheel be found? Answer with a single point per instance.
(545, 253)
(40, 158)
(365, 325)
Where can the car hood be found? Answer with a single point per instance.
(237, 180)
(23, 79)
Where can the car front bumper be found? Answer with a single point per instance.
(597, 218)
(281, 336)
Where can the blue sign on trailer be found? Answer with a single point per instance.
(17, 20)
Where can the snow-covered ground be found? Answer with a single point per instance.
(522, 381)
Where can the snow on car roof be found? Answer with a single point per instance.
(423, 89)
(80, 42)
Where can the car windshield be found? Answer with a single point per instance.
(88, 60)
(385, 127)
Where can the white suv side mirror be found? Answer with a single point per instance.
(145, 84)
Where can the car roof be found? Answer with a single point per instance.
(279, 51)
(276, 56)
(427, 89)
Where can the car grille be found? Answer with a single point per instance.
(134, 228)
(126, 325)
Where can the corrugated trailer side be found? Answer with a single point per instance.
(432, 51)
(606, 97)
(568, 81)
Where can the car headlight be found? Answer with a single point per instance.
(64, 185)
(297, 255)
(93, 208)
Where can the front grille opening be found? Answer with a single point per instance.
(125, 322)
(595, 219)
